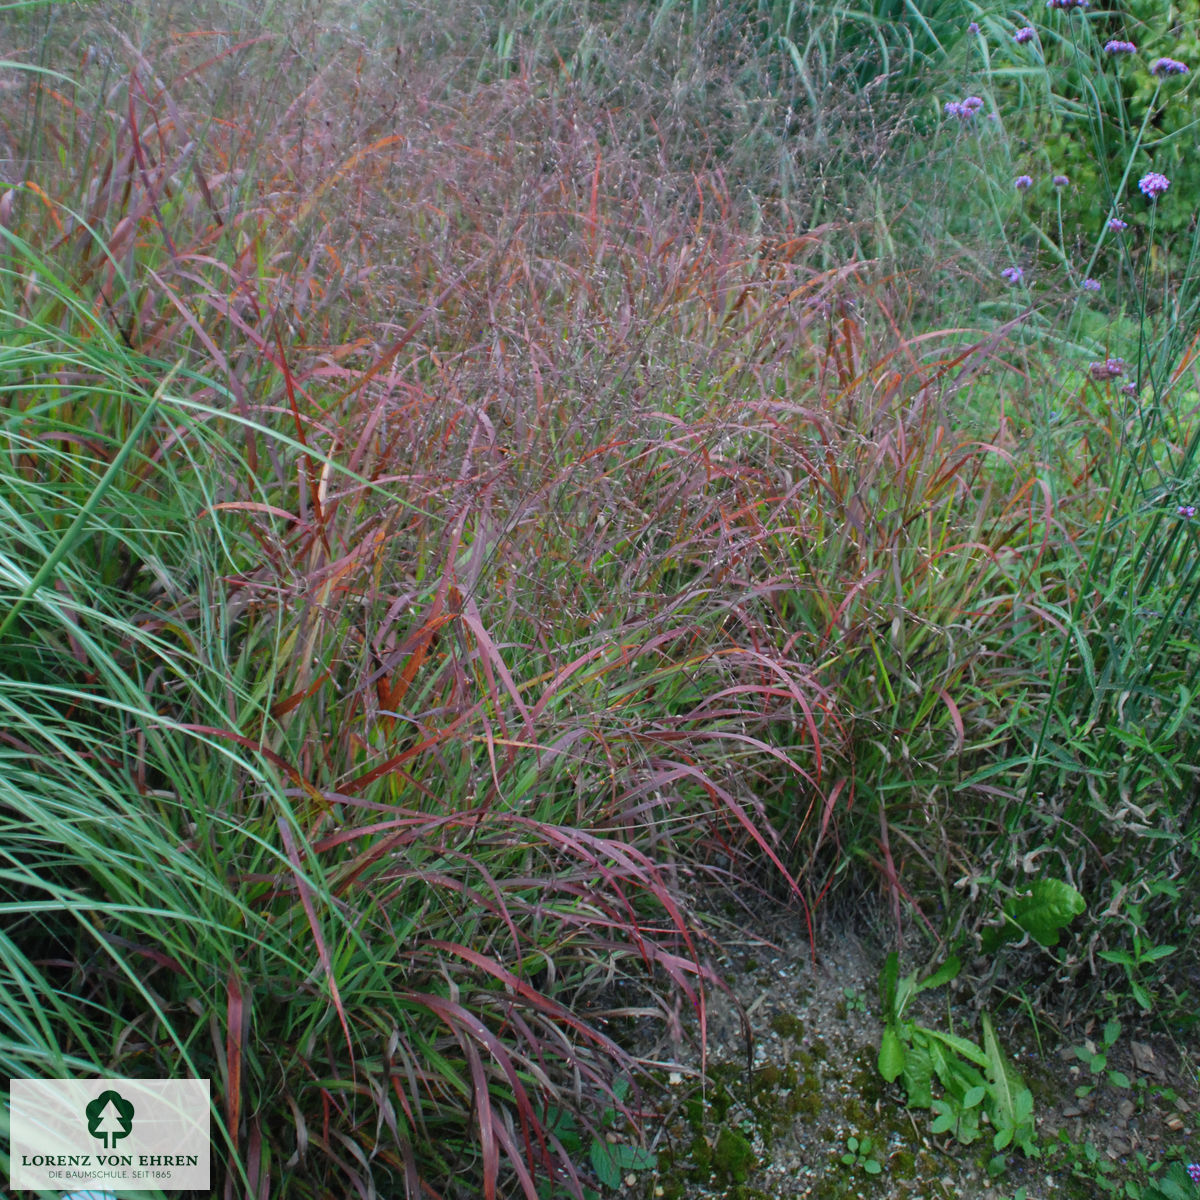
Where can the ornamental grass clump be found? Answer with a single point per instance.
(288, 790)
(373, 606)
(462, 502)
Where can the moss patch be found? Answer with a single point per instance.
(733, 1156)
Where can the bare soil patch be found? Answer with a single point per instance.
(775, 1116)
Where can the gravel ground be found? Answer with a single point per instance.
(774, 1117)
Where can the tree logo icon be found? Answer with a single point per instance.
(109, 1118)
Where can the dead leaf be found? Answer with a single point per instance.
(1145, 1061)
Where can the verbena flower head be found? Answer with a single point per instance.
(1187, 510)
(1193, 1170)
(1116, 47)
(1023, 35)
(1091, 285)
(1061, 181)
(1116, 224)
(963, 109)
(1013, 274)
(1129, 389)
(1154, 184)
(973, 27)
(1022, 182)
(1110, 368)
(1168, 66)
(1065, 4)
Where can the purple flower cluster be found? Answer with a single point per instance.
(1117, 225)
(1115, 47)
(1129, 389)
(1061, 181)
(1023, 35)
(1091, 285)
(1168, 66)
(1022, 182)
(1154, 184)
(1193, 1170)
(1187, 510)
(1066, 4)
(1013, 274)
(1110, 368)
(963, 109)
(973, 27)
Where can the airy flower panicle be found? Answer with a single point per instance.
(1154, 184)
(1116, 47)
(1168, 66)
(1116, 224)
(1022, 182)
(1023, 35)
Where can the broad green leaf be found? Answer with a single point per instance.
(1050, 906)
(633, 1158)
(944, 974)
(968, 1126)
(937, 1057)
(906, 990)
(891, 1055)
(1157, 952)
(604, 1163)
(1011, 1109)
(945, 1119)
(918, 1077)
(1004, 1112)
(1172, 1189)
(959, 1045)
